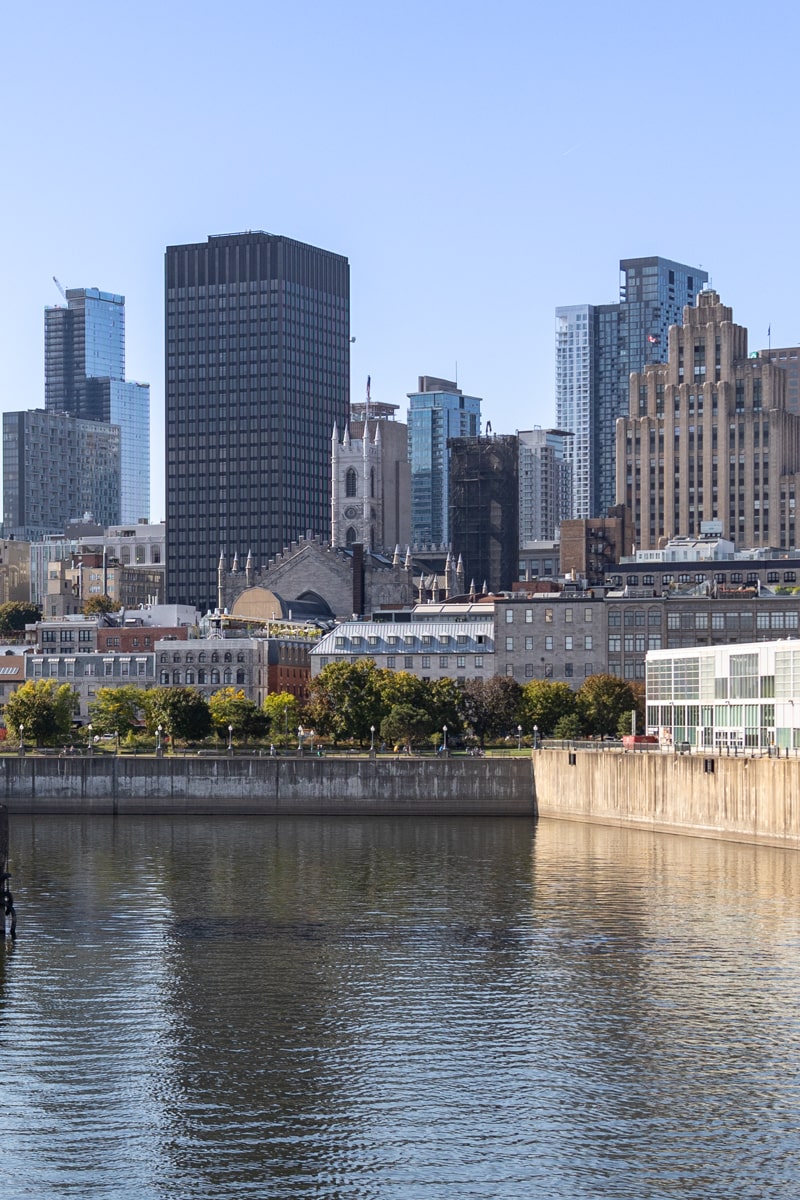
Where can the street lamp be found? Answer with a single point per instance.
(159, 731)
(519, 737)
(116, 739)
(372, 739)
(300, 739)
(444, 739)
(91, 741)
(286, 725)
(230, 739)
(21, 742)
(536, 737)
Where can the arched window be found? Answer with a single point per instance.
(350, 536)
(240, 656)
(228, 656)
(215, 676)
(164, 678)
(350, 482)
(190, 676)
(228, 676)
(201, 675)
(189, 657)
(372, 481)
(176, 657)
(240, 676)
(201, 656)
(176, 676)
(164, 658)
(215, 657)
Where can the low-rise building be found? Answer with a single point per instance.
(727, 698)
(88, 671)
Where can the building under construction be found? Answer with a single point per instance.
(484, 508)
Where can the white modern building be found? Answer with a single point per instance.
(744, 697)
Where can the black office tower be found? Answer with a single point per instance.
(257, 372)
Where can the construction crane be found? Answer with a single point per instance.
(60, 288)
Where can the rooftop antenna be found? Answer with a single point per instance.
(60, 288)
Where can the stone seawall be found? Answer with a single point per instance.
(742, 799)
(268, 786)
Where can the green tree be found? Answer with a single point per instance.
(401, 687)
(15, 615)
(544, 703)
(568, 726)
(601, 700)
(405, 724)
(117, 709)
(44, 708)
(230, 706)
(99, 604)
(181, 712)
(490, 707)
(282, 711)
(346, 700)
(444, 704)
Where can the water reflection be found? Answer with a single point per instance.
(322, 1008)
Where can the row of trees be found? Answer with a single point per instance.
(349, 702)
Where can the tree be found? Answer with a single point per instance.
(405, 724)
(44, 708)
(230, 706)
(15, 615)
(346, 700)
(568, 727)
(544, 703)
(117, 709)
(181, 712)
(444, 701)
(490, 707)
(282, 711)
(601, 701)
(99, 604)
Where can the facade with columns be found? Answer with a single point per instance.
(371, 480)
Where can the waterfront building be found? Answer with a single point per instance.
(726, 698)
(84, 354)
(257, 376)
(545, 483)
(371, 479)
(87, 671)
(438, 411)
(484, 508)
(256, 665)
(56, 467)
(597, 347)
(709, 437)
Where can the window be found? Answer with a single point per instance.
(461, 661)
(529, 670)
(509, 616)
(426, 661)
(548, 642)
(528, 616)
(567, 643)
(587, 616)
(510, 670)
(390, 662)
(528, 643)
(548, 616)
(588, 643)
(350, 482)
(568, 616)
(408, 661)
(443, 660)
(478, 660)
(568, 670)
(509, 643)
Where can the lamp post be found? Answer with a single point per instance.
(286, 726)
(91, 739)
(300, 732)
(536, 737)
(444, 740)
(116, 740)
(230, 739)
(372, 741)
(21, 741)
(159, 731)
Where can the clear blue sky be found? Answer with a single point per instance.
(478, 164)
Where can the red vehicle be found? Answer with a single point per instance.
(634, 741)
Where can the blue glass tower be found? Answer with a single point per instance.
(85, 378)
(437, 411)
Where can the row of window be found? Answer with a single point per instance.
(718, 577)
(202, 676)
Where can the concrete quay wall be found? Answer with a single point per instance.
(268, 786)
(740, 799)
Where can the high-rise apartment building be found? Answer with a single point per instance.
(597, 347)
(257, 375)
(545, 483)
(709, 438)
(56, 468)
(437, 411)
(84, 377)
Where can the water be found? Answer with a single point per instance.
(398, 1010)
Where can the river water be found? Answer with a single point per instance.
(393, 1009)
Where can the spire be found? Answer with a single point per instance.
(248, 568)
(335, 434)
(485, 589)
(221, 580)
(472, 589)
(408, 564)
(460, 575)
(235, 564)
(346, 438)
(435, 590)
(422, 589)
(396, 558)
(377, 439)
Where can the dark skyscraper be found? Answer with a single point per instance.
(257, 373)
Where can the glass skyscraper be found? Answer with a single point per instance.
(597, 348)
(85, 378)
(437, 411)
(257, 374)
